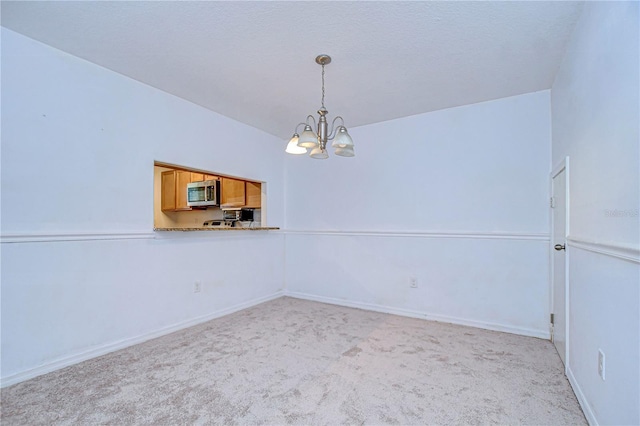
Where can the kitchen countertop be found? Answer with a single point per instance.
(214, 228)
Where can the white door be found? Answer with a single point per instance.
(558, 242)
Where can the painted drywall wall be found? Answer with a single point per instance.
(480, 167)
(82, 270)
(595, 122)
(595, 109)
(67, 301)
(93, 136)
(456, 198)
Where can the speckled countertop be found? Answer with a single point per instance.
(213, 228)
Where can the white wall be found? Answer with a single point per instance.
(91, 136)
(457, 198)
(78, 149)
(595, 110)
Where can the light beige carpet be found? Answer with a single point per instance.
(290, 361)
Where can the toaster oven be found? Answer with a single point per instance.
(238, 214)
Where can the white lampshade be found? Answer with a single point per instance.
(308, 138)
(345, 152)
(342, 139)
(319, 153)
(292, 146)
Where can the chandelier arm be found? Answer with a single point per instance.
(313, 119)
(298, 126)
(334, 130)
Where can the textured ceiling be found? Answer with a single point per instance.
(254, 61)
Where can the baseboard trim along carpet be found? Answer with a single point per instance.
(541, 334)
(582, 400)
(121, 344)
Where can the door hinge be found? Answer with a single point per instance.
(552, 202)
(552, 319)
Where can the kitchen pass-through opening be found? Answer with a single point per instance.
(185, 197)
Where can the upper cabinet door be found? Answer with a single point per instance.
(233, 193)
(182, 180)
(197, 177)
(168, 202)
(174, 190)
(253, 192)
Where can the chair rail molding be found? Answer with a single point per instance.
(621, 251)
(426, 234)
(38, 237)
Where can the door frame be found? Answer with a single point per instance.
(563, 166)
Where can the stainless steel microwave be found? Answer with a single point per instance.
(203, 194)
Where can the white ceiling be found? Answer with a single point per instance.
(254, 61)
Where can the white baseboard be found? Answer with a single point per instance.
(121, 344)
(582, 400)
(541, 334)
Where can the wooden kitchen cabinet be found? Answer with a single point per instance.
(174, 190)
(197, 177)
(253, 195)
(233, 193)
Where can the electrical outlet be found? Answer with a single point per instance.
(601, 365)
(197, 287)
(413, 282)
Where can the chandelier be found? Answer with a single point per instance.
(317, 142)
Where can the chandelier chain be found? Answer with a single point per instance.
(323, 86)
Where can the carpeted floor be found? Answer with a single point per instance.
(291, 361)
